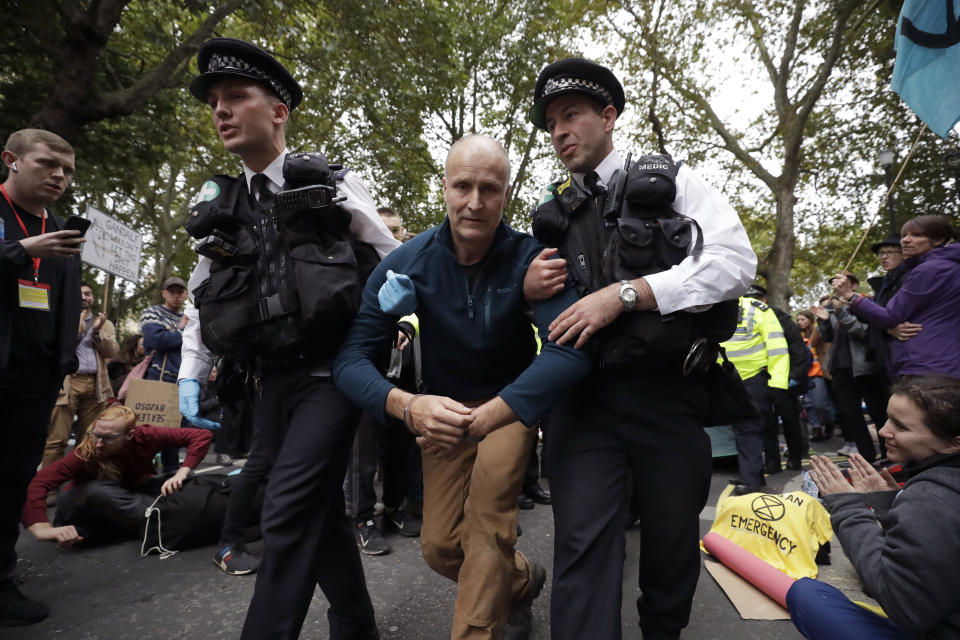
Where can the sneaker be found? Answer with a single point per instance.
(17, 609)
(403, 523)
(520, 622)
(224, 460)
(236, 563)
(370, 540)
(847, 449)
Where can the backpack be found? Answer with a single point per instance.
(193, 516)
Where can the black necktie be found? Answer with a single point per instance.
(592, 182)
(263, 193)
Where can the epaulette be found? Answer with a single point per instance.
(758, 304)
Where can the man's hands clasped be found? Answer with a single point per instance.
(444, 427)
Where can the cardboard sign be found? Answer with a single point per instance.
(156, 403)
(112, 246)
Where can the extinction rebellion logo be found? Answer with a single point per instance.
(767, 509)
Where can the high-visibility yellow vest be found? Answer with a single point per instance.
(413, 321)
(758, 343)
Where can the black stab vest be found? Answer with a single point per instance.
(631, 231)
(274, 292)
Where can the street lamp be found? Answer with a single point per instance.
(885, 158)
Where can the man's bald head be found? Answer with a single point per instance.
(476, 143)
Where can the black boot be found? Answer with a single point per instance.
(17, 609)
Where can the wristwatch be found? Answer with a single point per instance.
(628, 295)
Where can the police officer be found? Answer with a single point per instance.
(758, 349)
(304, 425)
(786, 408)
(637, 411)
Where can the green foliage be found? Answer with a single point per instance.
(797, 152)
(388, 87)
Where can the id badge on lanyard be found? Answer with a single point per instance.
(34, 295)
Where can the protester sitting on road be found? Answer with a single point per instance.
(113, 480)
(929, 297)
(900, 542)
(820, 413)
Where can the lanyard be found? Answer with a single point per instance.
(23, 227)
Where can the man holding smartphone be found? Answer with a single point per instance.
(39, 316)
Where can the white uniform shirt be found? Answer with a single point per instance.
(365, 225)
(726, 265)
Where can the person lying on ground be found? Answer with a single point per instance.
(112, 480)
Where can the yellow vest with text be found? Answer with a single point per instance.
(758, 343)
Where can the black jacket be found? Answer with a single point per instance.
(15, 264)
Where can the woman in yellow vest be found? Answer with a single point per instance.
(902, 542)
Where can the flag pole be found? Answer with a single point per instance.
(883, 203)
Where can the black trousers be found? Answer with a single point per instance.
(749, 433)
(849, 390)
(306, 426)
(27, 396)
(236, 432)
(537, 465)
(785, 406)
(243, 491)
(391, 445)
(103, 510)
(608, 427)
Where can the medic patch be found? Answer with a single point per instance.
(547, 194)
(208, 191)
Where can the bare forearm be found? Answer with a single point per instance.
(490, 416)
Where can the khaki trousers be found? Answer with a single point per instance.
(81, 402)
(470, 528)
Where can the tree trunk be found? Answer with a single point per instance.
(780, 258)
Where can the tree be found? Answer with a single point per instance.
(95, 74)
(820, 87)
(422, 75)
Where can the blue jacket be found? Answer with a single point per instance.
(475, 344)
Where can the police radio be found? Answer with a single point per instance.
(309, 183)
(310, 188)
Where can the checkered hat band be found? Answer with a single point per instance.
(559, 84)
(222, 63)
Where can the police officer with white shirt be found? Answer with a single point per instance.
(252, 290)
(653, 250)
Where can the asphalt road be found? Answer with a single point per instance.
(110, 592)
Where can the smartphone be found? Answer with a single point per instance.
(77, 223)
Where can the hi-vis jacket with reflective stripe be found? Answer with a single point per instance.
(758, 344)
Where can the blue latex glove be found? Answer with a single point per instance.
(397, 296)
(792, 384)
(190, 404)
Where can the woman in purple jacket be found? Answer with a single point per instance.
(930, 297)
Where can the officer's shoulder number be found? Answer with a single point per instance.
(759, 305)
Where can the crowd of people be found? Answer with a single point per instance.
(325, 344)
